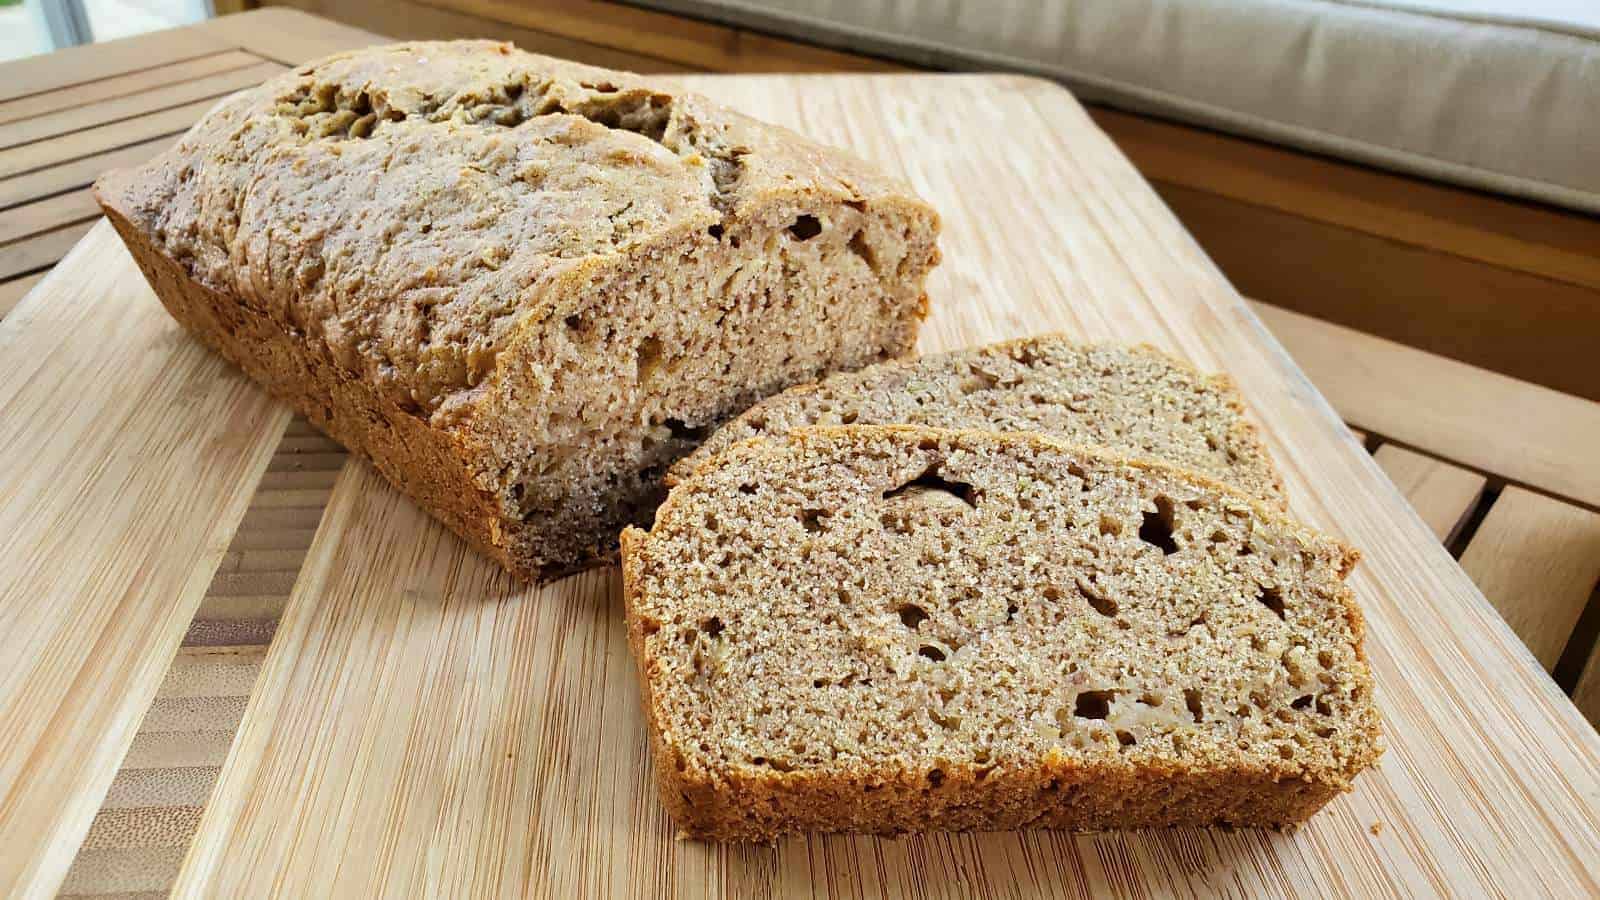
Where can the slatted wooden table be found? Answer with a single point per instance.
(187, 570)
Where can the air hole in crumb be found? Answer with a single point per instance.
(1051, 593)
(1125, 738)
(1324, 708)
(1286, 751)
(683, 431)
(715, 231)
(805, 228)
(912, 615)
(648, 359)
(1078, 472)
(1325, 731)
(1325, 659)
(574, 322)
(812, 519)
(1093, 704)
(930, 481)
(1105, 606)
(1302, 702)
(1217, 537)
(747, 489)
(1157, 528)
(1272, 599)
(1191, 699)
(712, 626)
(936, 777)
(1109, 526)
(860, 247)
(1149, 699)
(711, 522)
(1011, 612)
(933, 653)
(848, 418)
(1195, 504)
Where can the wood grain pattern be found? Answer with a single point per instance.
(1537, 560)
(103, 112)
(424, 726)
(112, 519)
(1482, 419)
(133, 82)
(1442, 494)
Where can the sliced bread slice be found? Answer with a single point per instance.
(1133, 400)
(887, 629)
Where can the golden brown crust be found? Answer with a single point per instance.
(521, 286)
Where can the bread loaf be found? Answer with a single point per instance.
(888, 629)
(1136, 401)
(522, 287)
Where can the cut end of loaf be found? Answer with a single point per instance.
(889, 629)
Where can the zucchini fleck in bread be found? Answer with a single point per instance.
(887, 629)
(523, 287)
(1135, 401)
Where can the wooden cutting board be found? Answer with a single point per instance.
(423, 725)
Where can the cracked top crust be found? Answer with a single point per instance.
(413, 207)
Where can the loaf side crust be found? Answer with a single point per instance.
(517, 284)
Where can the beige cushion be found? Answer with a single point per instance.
(1496, 94)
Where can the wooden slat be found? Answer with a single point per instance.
(1587, 692)
(1442, 494)
(409, 20)
(45, 215)
(423, 726)
(116, 109)
(12, 292)
(39, 251)
(95, 62)
(1417, 296)
(704, 46)
(287, 35)
(1537, 560)
(121, 85)
(78, 173)
(90, 141)
(106, 554)
(1527, 237)
(1521, 431)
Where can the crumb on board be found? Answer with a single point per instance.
(1376, 828)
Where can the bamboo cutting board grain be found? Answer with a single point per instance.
(422, 725)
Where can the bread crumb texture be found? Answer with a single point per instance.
(1135, 401)
(522, 286)
(888, 629)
